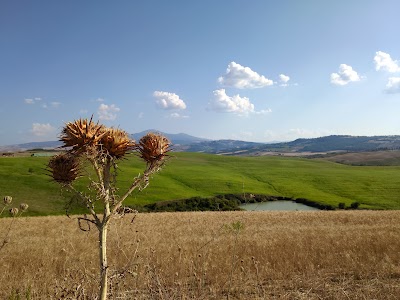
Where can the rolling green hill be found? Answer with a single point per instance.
(193, 174)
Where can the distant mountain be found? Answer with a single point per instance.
(176, 139)
(231, 147)
(331, 143)
(337, 143)
(32, 145)
(185, 142)
(179, 141)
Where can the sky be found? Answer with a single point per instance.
(255, 70)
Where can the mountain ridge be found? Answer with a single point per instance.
(185, 142)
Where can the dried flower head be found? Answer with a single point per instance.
(7, 200)
(153, 147)
(14, 211)
(116, 142)
(64, 168)
(82, 134)
(23, 206)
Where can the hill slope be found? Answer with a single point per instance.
(192, 174)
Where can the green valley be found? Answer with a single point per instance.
(195, 174)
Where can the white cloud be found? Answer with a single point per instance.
(393, 85)
(42, 130)
(236, 104)
(295, 133)
(107, 112)
(345, 75)
(166, 100)
(176, 115)
(44, 105)
(141, 115)
(243, 136)
(55, 104)
(263, 111)
(384, 62)
(284, 79)
(32, 100)
(243, 78)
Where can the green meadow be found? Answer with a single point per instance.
(194, 174)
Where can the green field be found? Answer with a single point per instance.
(193, 174)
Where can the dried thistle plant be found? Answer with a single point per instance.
(23, 207)
(82, 134)
(7, 200)
(116, 142)
(64, 168)
(14, 212)
(101, 147)
(153, 147)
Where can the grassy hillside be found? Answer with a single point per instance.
(193, 174)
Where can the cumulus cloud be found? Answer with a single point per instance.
(384, 62)
(44, 105)
(235, 104)
(345, 75)
(55, 104)
(221, 102)
(107, 112)
(42, 130)
(393, 85)
(295, 133)
(176, 115)
(32, 100)
(243, 78)
(284, 79)
(166, 100)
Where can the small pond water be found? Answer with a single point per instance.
(277, 205)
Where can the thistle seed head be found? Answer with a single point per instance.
(14, 211)
(23, 207)
(7, 200)
(64, 168)
(116, 142)
(153, 147)
(82, 134)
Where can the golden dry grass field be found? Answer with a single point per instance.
(209, 255)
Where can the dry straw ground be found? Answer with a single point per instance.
(210, 255)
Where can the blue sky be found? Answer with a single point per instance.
(251, 70)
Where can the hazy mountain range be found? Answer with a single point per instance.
(185, 142)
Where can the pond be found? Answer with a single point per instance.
(277, 205)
